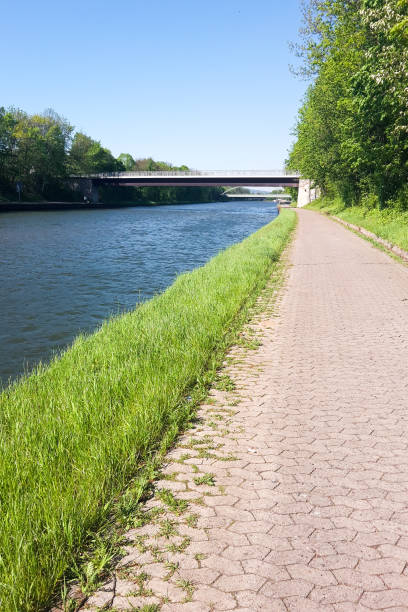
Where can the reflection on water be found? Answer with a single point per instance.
(62, 272)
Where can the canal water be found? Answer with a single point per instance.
(64, 272)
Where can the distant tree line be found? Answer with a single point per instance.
(39, 152)
(352, 130)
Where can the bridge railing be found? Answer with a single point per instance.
(209, 173)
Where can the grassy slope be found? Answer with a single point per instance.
(75, 432)
(388, 223)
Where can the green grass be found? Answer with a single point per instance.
(388, 223)
(74, 434)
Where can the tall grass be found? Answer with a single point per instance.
(74, 433)
(388, 223)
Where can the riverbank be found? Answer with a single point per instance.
(388, 224)
(76, 433)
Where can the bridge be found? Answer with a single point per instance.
(258, 196)
(88, 184)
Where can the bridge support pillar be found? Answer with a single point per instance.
(306, 193)
(84, 188)
(94, 193)
(303, 193)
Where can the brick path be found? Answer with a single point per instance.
(298, 494)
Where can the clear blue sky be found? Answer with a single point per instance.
(202, 82)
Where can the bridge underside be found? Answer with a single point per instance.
(89, 185)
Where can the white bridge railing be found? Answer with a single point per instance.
(209, 173)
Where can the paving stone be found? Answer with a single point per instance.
(243, 582)
(233, 513)
(228, 537)
(213, 522)
(381, 566)
(155, 570)
(240, 553)
(286, 588)
(332, 562)
(301, 604)
(353, 577)
(124, 587)
(397, 552)
(99, 599)
(182, 560)
(257, 601)
(267, 570)
(349, 607)
(221, 500)
(336, 594)
(288, 557)
(202, 575)
(395, 581)
(227, 567)
(216, 598)
(133, 603)
(374, 539)
(207, 548)
(357, 550)
(191, 606)
(251, 526)
(315, 576)
(381, 600)
(164, 588)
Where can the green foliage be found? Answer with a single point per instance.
(87, 156)
(353, 126)
(33, 149)
(75, 433)
(127, 161)
(41, 151)
(7, 143)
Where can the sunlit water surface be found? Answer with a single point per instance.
(64, 272)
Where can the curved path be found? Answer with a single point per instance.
(298, 498)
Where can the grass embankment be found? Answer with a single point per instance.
(388, 223)
(74, 433)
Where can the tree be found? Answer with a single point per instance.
(39, 151)
(87, 156)
(380, 100)
(352, 128)
(127, 161)
(7, 145)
